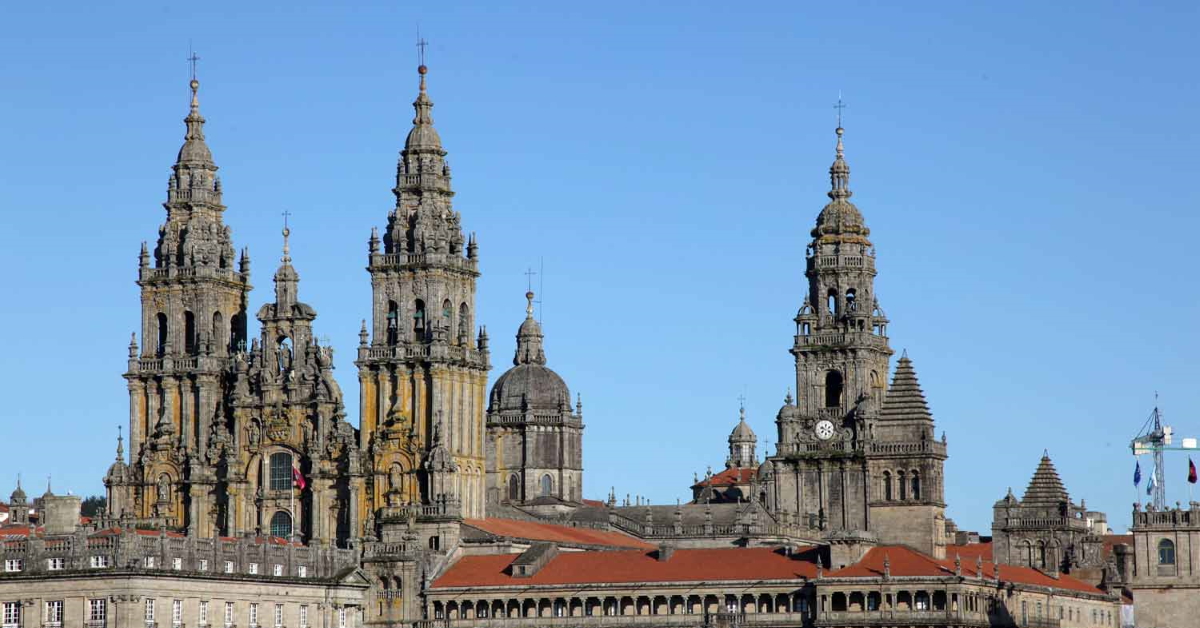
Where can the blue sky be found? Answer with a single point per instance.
(1027, 170)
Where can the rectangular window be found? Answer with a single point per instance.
(277, 570)
(177, 564)
(229, 566)
(254, 613)
(54, 612)
(229, 613)
(14, 564)
(279, 614)
(302, 571)
(203, 565)
(97, 611)
(149, 562)
(177, 612)
(12, 614)
(281, 471)
(254, 568)
(342, 617)
(99, 561)
(304, 616)
(56, 564)
(149, 610)
(202, 619)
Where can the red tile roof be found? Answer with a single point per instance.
(906, 561)
(684, 565)
(969, 551)
(595, 503)
(535, 531)
(1112, 540)
(728, 477)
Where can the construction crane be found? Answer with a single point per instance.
(1155, 438)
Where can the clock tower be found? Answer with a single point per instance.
(853, 455)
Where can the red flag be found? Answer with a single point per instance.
(298, 479)
(1191, 470)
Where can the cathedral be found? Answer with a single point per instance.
(455, 506)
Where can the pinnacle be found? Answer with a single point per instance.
(1045, 487)
(905, 400)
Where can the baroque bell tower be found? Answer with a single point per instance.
(193, 294)
(852, 455)
(422, 369)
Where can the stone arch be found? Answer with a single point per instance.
(392, 329)
(546, 485)
(162, 329)
(464, 323)
(834, 386)
(915, 485)
(189, 332)
(887, 486)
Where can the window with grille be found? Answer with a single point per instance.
(12, 614)
(56, 564)
(279, 614)
(229, 566)
(97, 610)
(254, 613)
(254, 568)
(177, 564)
(54, 612)
(176, 612)
(281, 471)
(281, 524)
(342, 617)
(277, 570)
(14, 564)
(229, 613)
(304, 616)
(149, 610)
(202, 617)
(99, 561)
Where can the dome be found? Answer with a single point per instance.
(531, 386)
(18, 495)
(742, 432)
(423, 136)
(841, 218)
(195, 150)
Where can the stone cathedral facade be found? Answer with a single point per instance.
(248, 498)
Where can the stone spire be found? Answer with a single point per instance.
(905, 401)
(194, 178)
(1045, 487)
(286, 277)
(840, 220)
(529, 338)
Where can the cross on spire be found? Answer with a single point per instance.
(192, 59)
(421, 46)
(285, 215)
(839, 106)
(529, 278)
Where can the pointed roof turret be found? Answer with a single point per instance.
(840, 220)
(1045, 487)
(905, 401)
(423, 135)
(742, 432)
(18, 495)
(286, 277)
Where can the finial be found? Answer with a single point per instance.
(742, 406)
(287, 251)
(789, 400)
(120, 445)
(1045, 453)
(529, 306)
(839, 106)
(194, 84)
(421, 69)
(904, 354)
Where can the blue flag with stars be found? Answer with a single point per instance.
(1137, 472)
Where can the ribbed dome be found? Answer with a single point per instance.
(423, 136)
(195, 150)
(18, 495)
(742, 432)
(529, 386)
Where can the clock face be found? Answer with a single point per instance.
(824, 429)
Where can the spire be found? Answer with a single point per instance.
(905, 401)
(840, 220)
(423, 135)
(120, 445)
(286, 278)
(1045, 487)
(193, 180)
(529, 338)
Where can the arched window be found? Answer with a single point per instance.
(903, 481)
(887, 486)
(162, 334)
(1166, 552)
(833, 389)
(419, 319)
(393, 323)
(237, 332)
(281, 471)
(547, 484)
(464, 323)
(1041, 555)
(832, 301)
(850, 303)
(281, 524)
(916, 485)
(447, 312)
(189, 332)
(435, 542)
(514, 488)
(805, 329)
